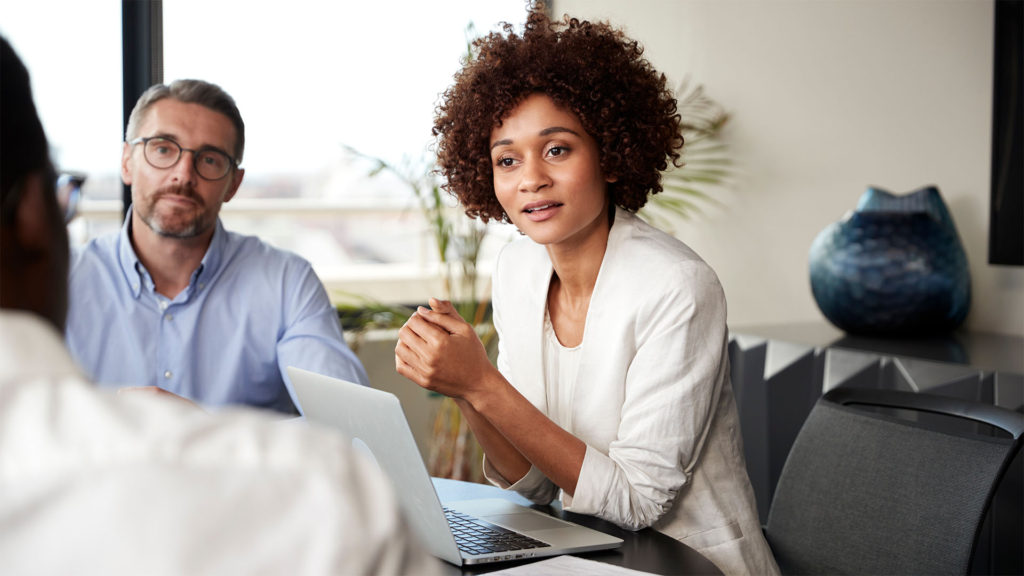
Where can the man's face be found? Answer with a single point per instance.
(177, 202)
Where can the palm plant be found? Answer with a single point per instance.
(457, 241)
(706, 167)
(454, 452)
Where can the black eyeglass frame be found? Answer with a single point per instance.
(69, 193)
(181, 149)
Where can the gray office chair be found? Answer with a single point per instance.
(865, 492)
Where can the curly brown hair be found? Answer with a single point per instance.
(589, 68)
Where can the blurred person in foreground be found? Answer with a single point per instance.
(97, 483)
(611, 390)
(176, 302)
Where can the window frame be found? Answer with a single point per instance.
(142, 59)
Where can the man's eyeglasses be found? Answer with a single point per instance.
(210, 163)
(69, 193)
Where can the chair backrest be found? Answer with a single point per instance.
(864, 492)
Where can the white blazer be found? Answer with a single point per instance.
(653, 400)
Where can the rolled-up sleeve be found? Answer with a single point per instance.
(534, 486)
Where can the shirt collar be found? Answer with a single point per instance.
(130, 265)
(214, 255)
(134, 272)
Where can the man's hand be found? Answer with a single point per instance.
(157, 391)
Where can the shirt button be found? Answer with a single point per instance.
(168, 374)
(169, 316)
(163, 305)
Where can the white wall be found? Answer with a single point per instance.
(829, 97)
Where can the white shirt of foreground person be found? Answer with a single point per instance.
(94, 483)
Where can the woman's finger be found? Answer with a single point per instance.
(426, 329)
(449, 321)
(408, 371)
(442, 306)
(407, 354)
(411, 341)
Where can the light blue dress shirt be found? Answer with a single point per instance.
(249, 311)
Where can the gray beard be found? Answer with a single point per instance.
(192, 230)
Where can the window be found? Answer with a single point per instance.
(73, 54)
(312, 78)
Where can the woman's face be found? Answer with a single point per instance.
(547, 174)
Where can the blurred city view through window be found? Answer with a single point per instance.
(313, 80)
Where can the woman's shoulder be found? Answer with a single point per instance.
(651, 254)
(658, 277)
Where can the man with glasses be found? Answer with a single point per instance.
(177, 302)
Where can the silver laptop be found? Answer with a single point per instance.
(374, 420)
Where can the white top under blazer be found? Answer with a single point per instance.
(653, 401)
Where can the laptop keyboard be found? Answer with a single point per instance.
(474, 536)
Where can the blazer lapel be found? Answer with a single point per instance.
(530, 322)
(601, 351)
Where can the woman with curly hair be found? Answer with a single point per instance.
(612, 387)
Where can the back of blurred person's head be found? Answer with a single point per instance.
(34, 249)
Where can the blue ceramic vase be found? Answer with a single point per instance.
(893, 267)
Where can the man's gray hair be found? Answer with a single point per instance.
(191, 92)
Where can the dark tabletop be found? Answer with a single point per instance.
(646, 550)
